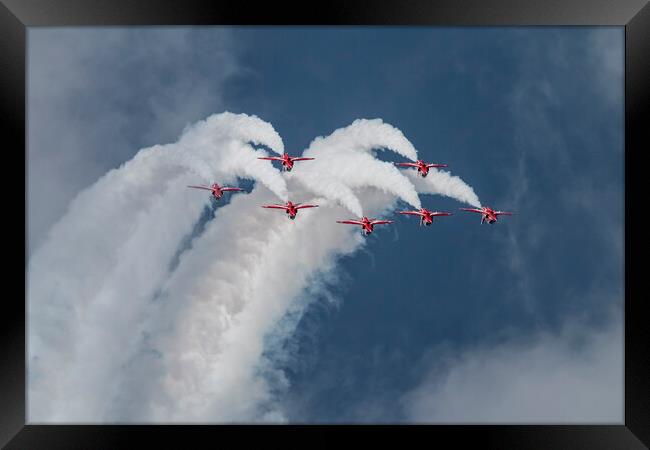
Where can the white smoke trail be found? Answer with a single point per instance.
(355, 170)
(333, 189)
(443, 183)
(365, 135)
(225, 296)
(247, 269)
(344, 162)
(102, 262)
(221, 141)
(188, 345)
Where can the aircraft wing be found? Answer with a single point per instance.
(306, 206)
(441, 214)
(231, 189)
(437, 165)
(270, 158)
(350, 222)
(301, 159)
(381, 222)
(473, 210)
(406, 164)
(201, 187)
(503, 213)
(274, 206)
(411, 213)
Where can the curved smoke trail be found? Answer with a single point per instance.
(103, 260)
(443, 183)
(248, 268)
(365, 135)
(155, 346)
(344, 162)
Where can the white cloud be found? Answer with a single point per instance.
(575, 376)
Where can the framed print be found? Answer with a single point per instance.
(372, 218)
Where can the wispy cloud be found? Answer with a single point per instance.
(546, 144)
(97, 95)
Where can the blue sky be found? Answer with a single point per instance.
(531, 118)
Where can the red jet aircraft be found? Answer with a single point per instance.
(367, 225)
(217, 191)
(488, 214)
(423, 168)
(290, 208)
(287, 161)
(426, 216)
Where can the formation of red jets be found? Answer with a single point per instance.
(367, 224)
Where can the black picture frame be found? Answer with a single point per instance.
(634, 15)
